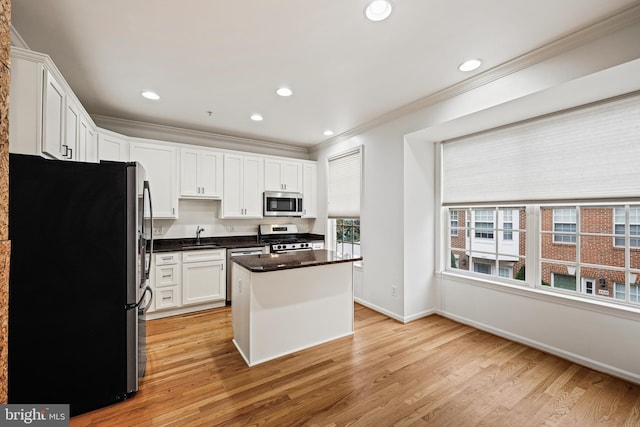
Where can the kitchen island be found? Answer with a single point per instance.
(287, 302)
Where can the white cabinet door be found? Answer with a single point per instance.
(72, 130)
(211, 174)
(159, 162)
(310, 190)
(232, 205)
(253, 186)
(282, 175)
(201, 174)
(243, 186)
(203, 282)
(53, 123)
(87, 141)
(112, 147)
(189, 183)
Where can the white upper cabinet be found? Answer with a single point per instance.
(53, 117)
(160, 164)
(200, 174)
(243, 186)
(87, 141)
(282, 175)
(112, 147)
(309, 190)
(44, 113)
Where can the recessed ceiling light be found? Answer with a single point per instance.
(378, 10)
(150, 95)
(470, 65)
(327, 132)
(284, 91)
(257, 117)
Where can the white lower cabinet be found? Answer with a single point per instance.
(165, 279)
(204, 276)
(188, 281)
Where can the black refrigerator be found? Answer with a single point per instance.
(78, 281)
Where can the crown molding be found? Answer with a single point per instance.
(17, 40)
(176, 134)
(615, 22)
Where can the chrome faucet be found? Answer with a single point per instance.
(198, 231)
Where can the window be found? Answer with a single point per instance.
(482, 268)
(620, 226)
(563, 281)
(634, 292)
(564, 221)
(601, 259)
(347, 237)
(507, 224)
(343, 208)
(479, 251)
(590, 262)
(454, 223)
(484, 224)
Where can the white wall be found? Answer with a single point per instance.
(400, 213)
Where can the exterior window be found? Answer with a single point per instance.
(563, 281)
(602, 256)
(482, 268)
(487, 249)
(484, 224)
(507, 225)
(621, 229)
(564, 221)
(453, 222)
(347, 237)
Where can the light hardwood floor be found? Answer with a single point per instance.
(432, 371)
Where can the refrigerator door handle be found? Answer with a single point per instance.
(139, 303)
(147, 192)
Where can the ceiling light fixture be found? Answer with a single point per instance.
(327, 132)
(284, 91)
(470, 65)
(150, 95)
(257, 117)
(378, 10)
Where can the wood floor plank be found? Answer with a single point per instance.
(432, 371)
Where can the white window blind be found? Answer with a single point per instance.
(344, 185)
(583, 153)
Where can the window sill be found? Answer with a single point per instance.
(575, 301)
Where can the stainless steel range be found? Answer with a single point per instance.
(285, 238)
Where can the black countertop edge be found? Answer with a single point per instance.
(297, 259)
(227, 242)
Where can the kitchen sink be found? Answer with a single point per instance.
(202, 246)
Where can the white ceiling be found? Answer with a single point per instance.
(228, 57)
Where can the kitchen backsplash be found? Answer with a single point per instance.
(206, 214)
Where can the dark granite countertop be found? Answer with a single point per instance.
(229, 242)
(295, 259)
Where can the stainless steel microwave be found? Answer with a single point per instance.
(282, 204)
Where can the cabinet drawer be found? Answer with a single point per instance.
(167, 298)
(165, 258)
(204, 255)
(166, 275)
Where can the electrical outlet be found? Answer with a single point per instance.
(394, 291)
(157, 230)
(232, 228)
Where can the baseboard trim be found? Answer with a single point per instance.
(576, 358)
